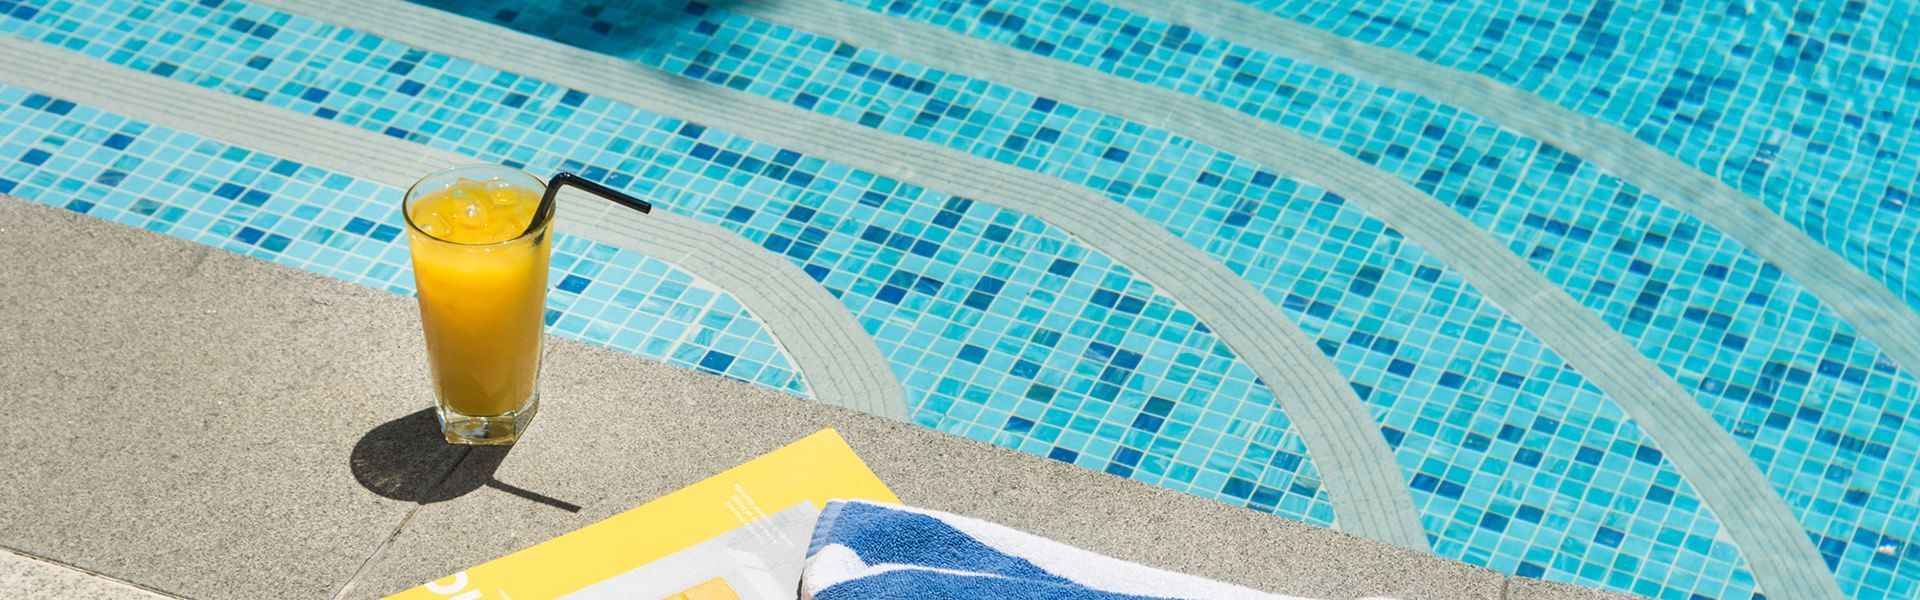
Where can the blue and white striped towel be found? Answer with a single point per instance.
(864, 550)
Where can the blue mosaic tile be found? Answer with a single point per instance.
(1519, 190)
(1809, 107)
(176, 183)
(1065, 364)
(876, 79)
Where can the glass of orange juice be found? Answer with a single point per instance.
(480, 239)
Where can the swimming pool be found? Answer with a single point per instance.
(1617, 296)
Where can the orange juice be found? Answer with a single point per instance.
(482, 292)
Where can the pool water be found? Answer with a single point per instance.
(1594, 281)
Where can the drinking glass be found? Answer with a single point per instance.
(480, 237)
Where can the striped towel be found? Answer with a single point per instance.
(865, 550)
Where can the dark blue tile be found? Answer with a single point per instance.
(1660, 494)
(973, 354)
(1098, 352)
(1393, 436)
(1400, 367)
(1493, 522)
(1590, 456)
(1528, 457)
(1105, 298)
(1608, 537)
(817, 272)
(1158, 407)
(1424, 482)
(777, 243)
(716, 361)
(1126, 359)
(1063, 267)
(1148, 423)
(248, 235)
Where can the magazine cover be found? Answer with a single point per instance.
(740, 534)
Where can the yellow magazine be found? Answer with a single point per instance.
(740, 534)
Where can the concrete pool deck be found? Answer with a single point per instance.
(201, 424)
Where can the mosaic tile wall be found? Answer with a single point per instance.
(879, 81)
(176, 183)
(1767, 327)
(1810, 107)
(1106, 373)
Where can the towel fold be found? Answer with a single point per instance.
(865, 550)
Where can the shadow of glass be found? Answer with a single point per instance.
(406, 459)
(612, 27)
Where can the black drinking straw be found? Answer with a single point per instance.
(565, 178)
